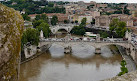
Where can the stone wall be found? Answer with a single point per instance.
(11, 28)
(132, 76)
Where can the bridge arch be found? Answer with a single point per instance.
(68, 28)
(62, 29)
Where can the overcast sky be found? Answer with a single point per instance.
(107, 1)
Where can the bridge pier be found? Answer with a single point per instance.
(67, 50)
(98, 51)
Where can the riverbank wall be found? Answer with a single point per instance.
(38, 53)
(131, 65)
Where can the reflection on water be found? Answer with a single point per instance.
(81, 65)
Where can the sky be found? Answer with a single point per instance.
(107, 1)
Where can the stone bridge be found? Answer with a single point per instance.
(96, 44)
(67, 27)
(69, 41)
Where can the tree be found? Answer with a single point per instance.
(50, 4)
(83, 22)
(103, 34)
(118, 26)
(26, 17)
(37, 17)
(121, 29)
(54, 20)
(123, 68)
(78, 30)
(42, 17)
(118, 12)
(66, 21)
(37, 22)
(113, 25)
(126, 11)
(30, 35)
(45, 28)
(93, 21)
(33, 7)
(76, 21)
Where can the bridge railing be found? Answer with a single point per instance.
(119, 40)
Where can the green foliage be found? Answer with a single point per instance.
(37, 17)
(30, 35)
(123, 63)
(54, 20)
(104, 34)
(41, 23)
(90, 6)
(76, 21)
(50, 4)
(113, 25)
(78, 30)
(83, 22)
(33, 7)
(93, 21)
(42, 17)
(37, 23)
(118, 12)
(26, 17)
(53, 10)
(118, 26)
(45, 28)
(123, 68)
(66, 21)
(126, 11)
(121, 29)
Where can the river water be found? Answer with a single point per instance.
(81, 65)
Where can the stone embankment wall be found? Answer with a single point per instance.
(11, 29)
(132, 76)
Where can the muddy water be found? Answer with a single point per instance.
(81, 65)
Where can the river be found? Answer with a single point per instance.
(81, 65)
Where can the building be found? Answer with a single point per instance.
(80, 17)
(82, 4)
(27, 24)
(101, 5)
(22, 12)
(134, 21)
(32, 16)
(132, 6)
(95, 14)
(134, 13)
(13, 3)
(88, 17)
(61, 17)
(104, 20)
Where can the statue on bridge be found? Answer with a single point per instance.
(41, 35)
(128, 35)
